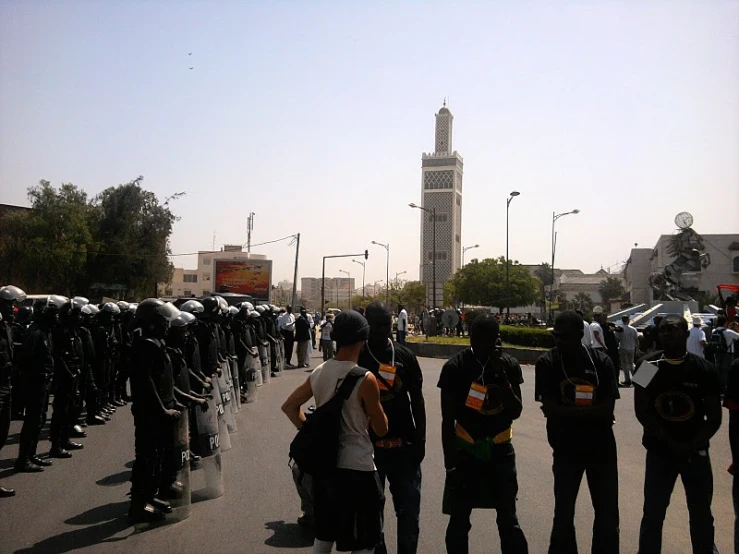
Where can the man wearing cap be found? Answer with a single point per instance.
(697, 338)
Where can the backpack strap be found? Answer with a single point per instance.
(347, 386)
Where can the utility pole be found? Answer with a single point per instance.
(249, 229)
(295, 273)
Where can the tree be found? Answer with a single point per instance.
(584, 302)
(483, 283)
(411, 294)
(544, 273)
(611, 288)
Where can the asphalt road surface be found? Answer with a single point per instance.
(81, 504)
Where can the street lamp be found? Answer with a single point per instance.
(432, 211)
(468, 248)
(387, 270)
(323, 274)
(555, 217)
(349, 277)
(507, 259)
(398, 275)
(364, 266)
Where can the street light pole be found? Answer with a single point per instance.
(398, 275)
(468, 248)
(323, 274)
(555, 217)
(364, 267)
(432, 211)
(387, 270)
(507, 259)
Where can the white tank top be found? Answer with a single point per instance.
(355, 447)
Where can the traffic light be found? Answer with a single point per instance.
(366, 254)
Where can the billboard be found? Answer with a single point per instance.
(252, 277)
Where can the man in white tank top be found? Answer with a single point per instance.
(347, 507)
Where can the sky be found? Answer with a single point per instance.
(314, 115)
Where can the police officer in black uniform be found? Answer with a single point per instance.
(89, 389)
(9, 295)
(105, 346)
(38, 369)
(123, 339)
(69, 361)
(18, 330)
(206, 333)
(154, 407)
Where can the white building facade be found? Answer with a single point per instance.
(441, 182)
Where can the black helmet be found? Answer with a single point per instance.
(11, 293)
(90, 309)
(24, 315)
(151, 308)
(211, 306)
(192, 307)
(123, 306)
(110, 308)
(54, 303)
(79, 302)
(182, 320)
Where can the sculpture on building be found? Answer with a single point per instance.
(688, 251)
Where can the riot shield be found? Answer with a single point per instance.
(226, 399)
(179, 491)
(256, 365)
(221, 413)
(211, 474)
(235, 384)
(266, 367)
(251, 382)
(282, 355)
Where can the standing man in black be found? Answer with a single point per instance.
(154, 408)
(577, 387)
(398, 455)
(38, 369)
(9, 296)
(69, 361)
(302, 337)
(679, 407)
(286, 322)
(480, 399)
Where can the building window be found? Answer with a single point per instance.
(440, 256)
(440, 218)
(206, 293)
(189, 278)
(168, 292)
(206, 261)
(187, 293)
(206, 276)
(736, 264)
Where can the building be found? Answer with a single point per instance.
(722, 250)
(441, 182)
(201, 281)
(338, 291)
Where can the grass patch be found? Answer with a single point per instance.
(464, 341)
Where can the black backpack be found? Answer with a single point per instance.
(716, 348)
(316, 446)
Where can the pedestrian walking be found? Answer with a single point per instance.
(398, 455)
(678, 403)
(327, 343)
(286, 322)
(402, 331)
(480, 399)
(697, 338)
(628, 348)
(347, 502)
(577, 388)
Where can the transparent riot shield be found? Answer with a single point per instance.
(235, 384)
(266, 368)
(256, 365)
(221, 413)
(251, 381)
(226, 399)
(207, 481)
(179, 491)
(281, 346)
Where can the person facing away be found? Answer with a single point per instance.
(402, 323)
(722, 343)
(587, 333)
(286, 322)
(480, 399)
(398, 455)
(577, 388)
(347, 505)
(678, 403)
(628, 348)
(327, 343)
(697, 338)
(303, 326)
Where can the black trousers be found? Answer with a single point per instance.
(289, 337)
(17, 395)
(36, 395)
(150, 442)
(603, 484)
(63, 416)
(5, 407)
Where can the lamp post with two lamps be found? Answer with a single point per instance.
(468, 248)
(431, 211)
(555, 217)
(387, 270)
(364, 267)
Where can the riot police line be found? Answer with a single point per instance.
(190, 370)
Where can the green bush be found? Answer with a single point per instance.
(526, 336)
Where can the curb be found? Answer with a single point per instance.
(526, 356)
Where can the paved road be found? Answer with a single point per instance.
(81, 504)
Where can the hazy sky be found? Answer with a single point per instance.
(314, 115)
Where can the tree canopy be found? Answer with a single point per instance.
(66, 243)
(611, 288)
(483, 283)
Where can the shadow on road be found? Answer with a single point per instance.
(100, 525)
(288, 535)
(115, 479)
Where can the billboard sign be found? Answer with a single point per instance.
(251, 277)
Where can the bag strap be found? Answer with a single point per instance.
(347, 386)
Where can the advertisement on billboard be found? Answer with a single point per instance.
(251, 277)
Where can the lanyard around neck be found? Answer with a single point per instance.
(392, 363)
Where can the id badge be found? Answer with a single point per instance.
(476, 396)
(387, 372)
(584, 395)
